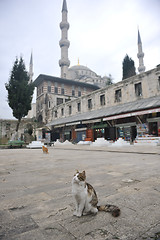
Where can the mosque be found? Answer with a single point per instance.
(74, 82)
(81, 105)
(79, 72)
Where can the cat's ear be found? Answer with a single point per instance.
(84, 175)
(76, 172)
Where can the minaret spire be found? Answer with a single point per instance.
(64, 8)
(140, 55)
(31, 69)
(64, 43)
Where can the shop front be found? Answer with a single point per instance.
(154, 126)
(80, 134)
(67, 135)
(127, 131)
(99, 130)
(142, 130)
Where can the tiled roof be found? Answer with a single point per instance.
(142, 104)
(43, 77)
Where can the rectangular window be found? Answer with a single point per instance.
(59, 101)
(102, 100)
(79, 92)
(49, 104)
(73, 90)
(62, 111)
(70, 110)
(138, 89)
(8, 125)
(78, 106)
(89, 103)
(118, 95)
(55, 114)
(62, 89)
(49, 89)
(159, 83)
(55, 88)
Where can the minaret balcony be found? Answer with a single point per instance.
(64, 25)
(64, 43)
(64, 62)
(139, 55)
(141, 69)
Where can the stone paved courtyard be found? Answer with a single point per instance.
(36, 201)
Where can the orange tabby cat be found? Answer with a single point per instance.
(45, 149)
(86, 198)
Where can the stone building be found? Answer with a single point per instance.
(79, 105)
(84, 74)
(125, 109)
(52, 91)
(73, 83)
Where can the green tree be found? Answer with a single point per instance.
(20, 91)
(29, 129)
(128, 67)
(109, 80)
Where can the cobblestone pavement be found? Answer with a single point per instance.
(36, 201)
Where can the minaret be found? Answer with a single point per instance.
(140, 55)
(64, 43)
(31, 69)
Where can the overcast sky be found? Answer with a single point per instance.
(101, 33)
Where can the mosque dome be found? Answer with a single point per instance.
(79, 68)
(79, 71)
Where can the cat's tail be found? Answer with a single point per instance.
(114, 210)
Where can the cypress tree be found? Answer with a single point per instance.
(128, 67)
(20, 91)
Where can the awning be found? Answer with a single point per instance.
(80, 129)
(91, 121)
(153, 119)
(128, 109)
(58, 126)
(102, 125)
(132, 114)
(73, 123)
(126, 124)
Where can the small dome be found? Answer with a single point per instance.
(79, 67)
(81, 73)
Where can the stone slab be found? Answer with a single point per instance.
(36, 201)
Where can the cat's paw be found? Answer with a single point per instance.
(94, 210)
(75, 213)
(79, 214)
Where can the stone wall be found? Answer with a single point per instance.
(144, 85)
(8, 127)
(46, 101)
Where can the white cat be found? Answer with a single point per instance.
(86, 198)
